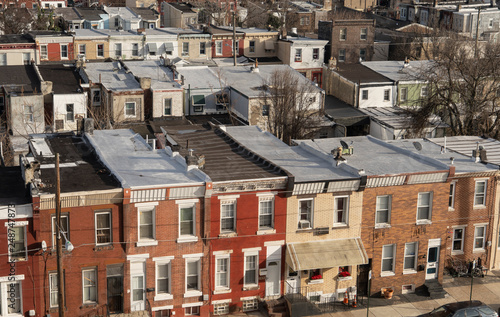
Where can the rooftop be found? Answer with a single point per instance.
(12, 190)
(377, 157)
(184, 7)
(465, 144)
(65, 79)
(16, 38)
(109, 32)
(343, 113)
(298, 39)
(160, 77)
(199, 77)
(91, 14)
(397, 71)
(359, 73)
(304, 165)
(13, 77)
(218, 30)
(250, 30)
(112, 76)
(67, 13)
(136, 165)
(89, 33)
(124, 12)
(79, 168)
(224, 159)
(398, 118)
(306, 6)
(145, 13)
(173, 32)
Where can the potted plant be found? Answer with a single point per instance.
(388, 292)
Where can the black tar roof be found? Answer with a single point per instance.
(360, 74)
(16, 38)
(343, 113)
(146, 13)
(64, 79)
(12, 190)
(88, 174)
(91, 14)
(184, 7)
(225, 160)
(20, 75)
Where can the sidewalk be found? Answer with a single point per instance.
(485, 289)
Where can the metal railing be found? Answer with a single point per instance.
(99, 311)
(148, 308)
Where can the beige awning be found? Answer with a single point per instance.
(325, 254)
(269, 45)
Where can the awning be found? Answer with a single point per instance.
(325, 254)
(269, 45)
(169, 47)
(152, 47)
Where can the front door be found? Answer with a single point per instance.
(363, 271)
(115, 288)
(292, 282)
(138, 295)
(273, 278)
(432, 267)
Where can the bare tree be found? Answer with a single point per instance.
(15, 20)
(293, 111)
(463, 88)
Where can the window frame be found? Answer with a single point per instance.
(228, 202)
(66, 51)
(110, 217)
(10, 241)
(251, 46)
(5, 300)
(364, 94)
(84, 51)
(118, 49)
(451, 197)
(44, 47)
(165, 106)
(203, 48)
(100, 52)
(70, 115)
(66, 233)
(342, 50)
(343, 34)
(362, 54)
(96, 93)
(29, 116)
(192, 311)
(387, 95)
(185, 49)
(298, 55)
(392, 258)
(461, 240)
(255, 269)
(218, 48)
(483, 194)
(53, 277)
(89, 301)
(151, 209)
(345, 211)
(3, 59)
(191, 206)
(309, 214)
(424, 91)
(483, 237)
(363, 34)
(163, 261)
(429, 206)
(197, 260)
(315, 53)
(126, 110)
(379, 210)
(266, 199)
(415, 256)
(135, 49)
(403, 97)
(222, 269)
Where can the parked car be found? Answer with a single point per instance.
(473, 308)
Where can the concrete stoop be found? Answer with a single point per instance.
(142, 313)
(277, 308)
(435, 289)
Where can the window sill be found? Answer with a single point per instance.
(424, 222)
(478, 251)
(384, 274)
(318, 281)
(479, 207)
(451, 209)
(409, 272)
(251, 287)
(192, 294)
(266, 231)
(146, 243)
(163, 297)
(457, 252)
(88, 305)
(304, 230)
(228, 235)
(103, 247)
(187, 239)
(222, 291)
(347, 278)
(340, 225)
(382, 226)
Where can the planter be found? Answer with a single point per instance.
(388, 292)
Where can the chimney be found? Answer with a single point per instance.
(255, 69)
(493, 3)
(88, 126)
(46, 87)
(476, 154)
(337, 155)
(145, 83)
(191, 158)
(182, 80)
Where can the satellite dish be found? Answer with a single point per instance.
(418, 146)
(44, 246)
(344, 145)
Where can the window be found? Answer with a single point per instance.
(424, 206)
(250, 304)
(315, 274)
(341, 211)
(192, 311)
(3, 59)
(423, 91)
(237, 47)
(163, 278)
(70, 112)
(221, 309)
(53, 286)
(96, 97)
(100, 50)
(315, 53)
(26, 58)
(364, 94)
(64, 51)
(343, 34)
(89, 277)
(479, 237)
(103, 228)
(130, 109)
(28, 114)
(480, 193)
(192, 274)
(342, 55)
(451, 199)
(251, 266)
(266, 213)
(383, 211)
(135, 49)
(44, 52)
(458, 239)
(187, 221)
(363, 35)
(167, 106)
(265, 110)
(362, 54)
(304, 21)
(16, 237)
(305, 213)
(410, 261)
(64, 229)
(222, 272)
(198, 103)
(387, 94)
(218, 48)
(298, 55)
(147, 224)
(403, 94)
(228, 216)
(203, 50)
(11, 298)
(490, 23)
(251, 46)
(82, 49)
(185, 49)
(388, 252)
(137, 288)
(117, 22)
(118, 49)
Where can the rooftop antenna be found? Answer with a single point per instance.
(417, 146)
(344, 145)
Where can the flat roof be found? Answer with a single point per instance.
(89, 33)
(112, 76)
(16, 38)
(250, 30)
(110, 32)
(224, 159)
(398, 118)
(465, 144)
(65, 79)
(199, 77)
(396, 70)
(145, 13)
(67, 13)
(12, 189)
(184, 7)
(22, 75)
(297, 160)
(135, 164)
(123, 12)
(80, 170)
(377, 157)
(92, 14)
(343, 113)
(462, 163)
(359, 73)
(299, 39)
(160, 77)
(173, 32)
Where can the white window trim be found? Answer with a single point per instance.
(485, 180)
(146, 242)
(125, 109)
(94, 269)
(405, 95)
(422, 89)
(256, 254)
(187, 238)
(97, 51)
(217, 43)
(483, 248)
(454, 185)
(110, 227)
(4, 290)
(428, 220)
(225, 288)
(19, 224)
(52, 305)
(414, 269)
(392, 271)
(346, 211)
(365, 34)
(61, 51)
(265, 199)
(461, 251)
(164, 106)
(228, 201)
(344, 33)
(162, 261)
(311, 216)
(42, 57)
(63, 215)
(383, 224)
(192, 258)
(388, 91)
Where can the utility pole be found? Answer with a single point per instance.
(477, 31)
(60, 276)
(234, 37)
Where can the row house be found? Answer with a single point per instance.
(123, 44)
(150, 18)
(53, 46)
(323, 218)
(17, 288)
(222, 42)
(68, 18)
(259, 43)
(247, 210)
(160, 43)
(304, 16)
(132, 18)
(17, 50)
(304, 55)
(179, 15)
(91, 45)
(89, 228)
(164, 225)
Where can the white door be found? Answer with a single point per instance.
(273, 278)
(292, 285)
(432, 267)
(138, 283)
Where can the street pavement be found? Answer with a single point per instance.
(485, 289)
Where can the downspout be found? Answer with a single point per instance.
(189, 100)
(494, 244)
